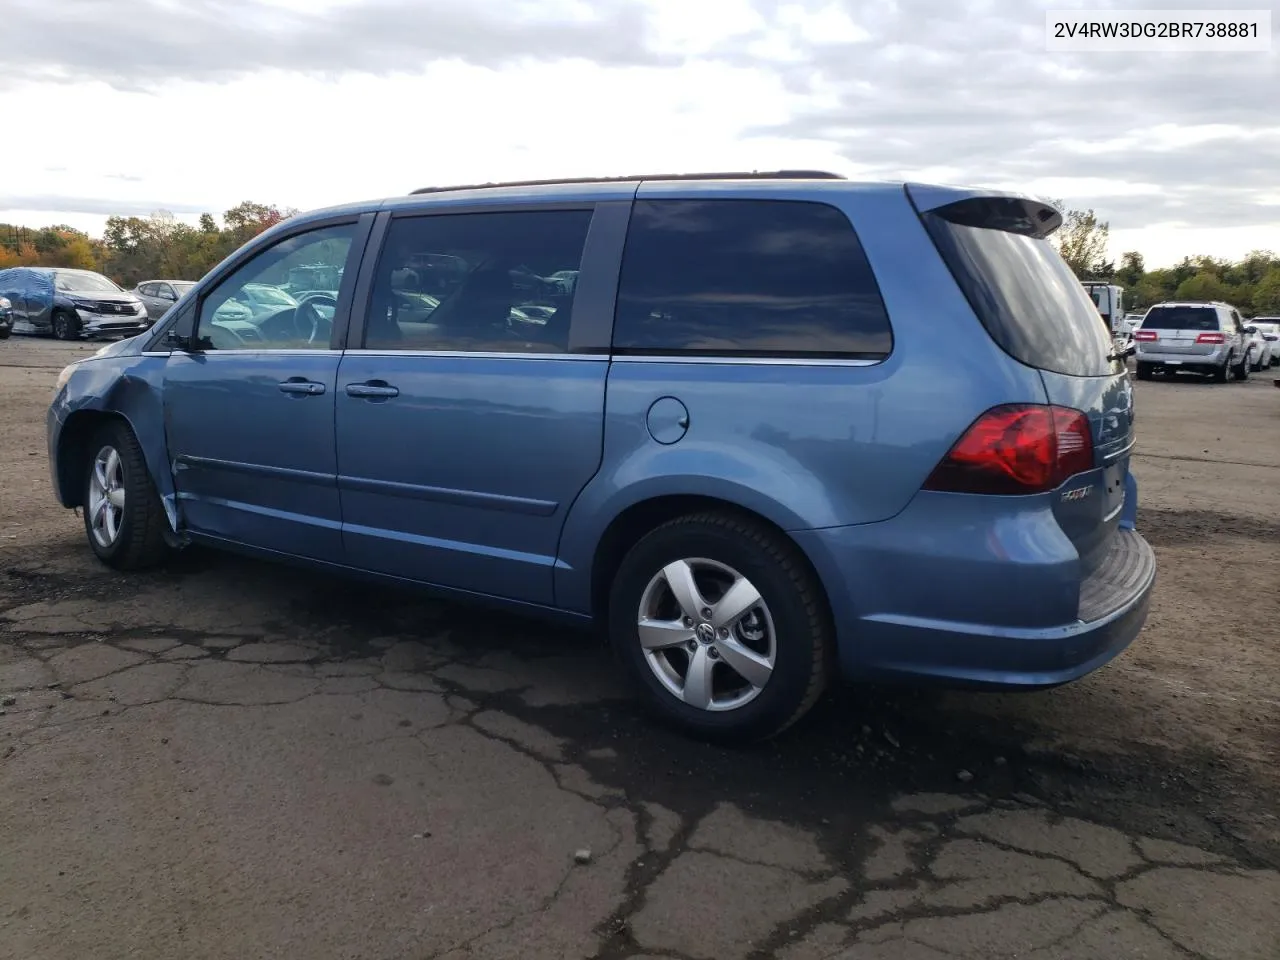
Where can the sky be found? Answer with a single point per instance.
(132, 106)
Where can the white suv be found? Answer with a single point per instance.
(1269, 327)
(1202, 337)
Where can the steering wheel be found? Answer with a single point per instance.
(307, 319)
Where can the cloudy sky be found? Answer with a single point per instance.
(129, 106)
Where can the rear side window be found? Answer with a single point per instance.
(1020, 287)
(1181, 318)
(763, 278)
(478, 282)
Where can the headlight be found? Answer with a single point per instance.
(5, 304)
(64, 376)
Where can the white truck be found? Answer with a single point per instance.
(1109, 299)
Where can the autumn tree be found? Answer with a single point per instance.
(248, 219)
(21, 255)
(77, 253)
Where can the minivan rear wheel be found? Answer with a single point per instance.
(1144, 371)
(722, 627)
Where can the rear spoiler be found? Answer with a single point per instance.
(991, 210)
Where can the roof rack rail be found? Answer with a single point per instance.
(744, 175)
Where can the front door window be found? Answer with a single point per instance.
(252, 310)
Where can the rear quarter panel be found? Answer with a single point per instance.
(805, 445)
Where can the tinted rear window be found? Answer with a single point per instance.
(1021, 289)
(747, 277)
(1181, 318)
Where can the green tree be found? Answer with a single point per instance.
(1082, 240)
(1202, 286)
(1132, 267)
(1250, 271)
(1184, 269)
(1266, 295)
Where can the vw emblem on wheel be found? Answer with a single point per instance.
(706, 632)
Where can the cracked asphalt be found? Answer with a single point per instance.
(228, 759)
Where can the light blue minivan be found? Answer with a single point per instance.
(763, 429)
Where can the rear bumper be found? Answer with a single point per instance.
(1014, 613)
(1184, 360)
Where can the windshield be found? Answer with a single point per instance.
(267, 294)
(73, 281)
(1181, 318)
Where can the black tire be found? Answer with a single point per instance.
(1242, 371)
(1144, 371)
(1223, 373)
(66, 326)
(139, 541)
(803, 636)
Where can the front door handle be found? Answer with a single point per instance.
(301, 386)
(373, 390)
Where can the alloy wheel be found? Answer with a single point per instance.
(707, 634)
(106, 497)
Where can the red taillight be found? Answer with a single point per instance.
(1212, 338)
(1017, 449)
(1147, 335)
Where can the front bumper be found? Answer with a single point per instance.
(104, 324)
(53, 434)
(973, 600)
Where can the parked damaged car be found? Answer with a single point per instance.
(70, 304)
(675, 448)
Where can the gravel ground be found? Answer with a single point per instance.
(224, 758)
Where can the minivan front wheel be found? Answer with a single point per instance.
(722, 627)
(123, 517)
